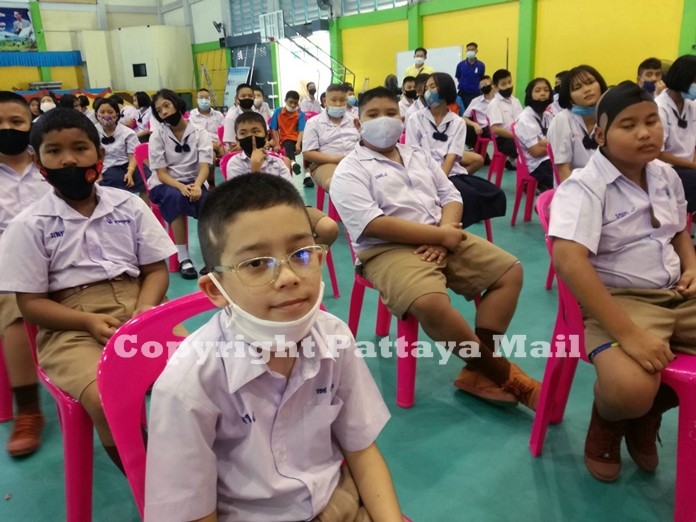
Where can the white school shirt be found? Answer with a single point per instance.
(50, 246)
(503, 111)
(92, 117)
(601, 209)
(529, 131)
(182, 166)
(367, 185)
(241, 164)
(415, 107)
(129, 112)
(19, 190)
(419, 133)
(229, 435)
(230, 135)
(478, 108)
(116, 153)
(678, 141)
(309, 105)
(404, 105)
(142, 120)
(210, 122)
(323, 135)
(565, 135)
(264, 111)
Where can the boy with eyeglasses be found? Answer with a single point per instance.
(251, 431)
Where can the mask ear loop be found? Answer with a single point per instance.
(229, 309)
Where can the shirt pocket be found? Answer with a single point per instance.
(318, 444)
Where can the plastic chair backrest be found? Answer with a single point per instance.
(128, 368)
(495, 143)
(549, 153)
(141, 154)
(220, 132)
(310, 114)
(522, 167)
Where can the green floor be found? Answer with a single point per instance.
(453, 457)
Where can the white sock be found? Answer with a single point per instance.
(183, 252)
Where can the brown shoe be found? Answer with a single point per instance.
(477, 384)
(523, 387)
(641, 434)
(26, 435)
(603, 447)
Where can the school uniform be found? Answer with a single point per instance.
(210, 122)
(181, 159)
(90, 264)
(309, 105)
(230, 134)
(264, 110)
(570, 140)
(504, 111)
(211, 419)
(477, 111)
(289, 125)
(240, 164)
(142, 121)
(482, 200)
(129, 113)
(323, 135)
(416, 106)
(680, 139)
(367, 185)
(616, 220)
(92, 117)
(17, 192)
(404, 105)
(354, 112)
(117, 149)
(530, 129)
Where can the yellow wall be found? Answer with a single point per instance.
(487, 26)
(370, 52)
(71, 77)
(613, 36)
(18, 77)
(216, 63)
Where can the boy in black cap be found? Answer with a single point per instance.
(620, 242)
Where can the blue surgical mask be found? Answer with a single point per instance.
(353, 101)
(691, 93)
(470, 55)
(582, 111)
(203, 104)
(432, 98)
(336, 112)
(649, 87)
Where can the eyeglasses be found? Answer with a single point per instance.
(261, 271)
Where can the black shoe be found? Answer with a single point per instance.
(509, 165)
(487, 160)
(187, 270)
(204, 271)
(296, 168)
(307, 182)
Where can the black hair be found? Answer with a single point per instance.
(649, 63)
(445, 87)
(564, 99)
(474, 44)
(312, 83)
(292, 95)
(499, 75)
(561, 75)
(243, 86)
(348, 86)
(177, 101)
(422, 79)
(485, 77)
(377, 92)
(391, 82)
(681, 74)
(117, 99)
(244, 193)
(259, 89)
(530, 87)
(203, 89)
(143, 99)
(50, 95)
(84, 101)
(67, 101)
(336, 87)
(408, 79)
(13, 97)
(251, 116)
(58, 119)
(421, 49)
(107, 101)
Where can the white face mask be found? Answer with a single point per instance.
(290, 109)
(420, 61)
(258, 102)
(47, 106)
(382, 132)
(262, 332)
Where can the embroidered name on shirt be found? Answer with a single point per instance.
(118, 221)
(246, 419)
(619, 215)
(381, 175)
(321, 390)
(56, 234)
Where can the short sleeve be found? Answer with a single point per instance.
(494, 114)
(157, 153)
(24, 260)
(302, 121)
(576, 214)
(131, 142)
(273, 124)
(310, 138)
(205, 146)
(154, 243)
(664, 116)
(457, 143)
(559, 136)
(445, 188)
(229, 136)
(528, 131)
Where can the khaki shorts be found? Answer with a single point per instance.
(402, 277)
(9, 312)
(322, 174)
(70, 357)
(345, 504)
(665, 313)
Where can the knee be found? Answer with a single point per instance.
(430, 308)
(326, 231)
(511, 279)
(631, 398)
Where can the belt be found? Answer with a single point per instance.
(61, 295)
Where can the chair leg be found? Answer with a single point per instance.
(550, 276)
(332, 275)
(489, 230)
(545, 406)
(500, 168)
(383, 320)
(333, 213)
(320, 198)
(565, 384)
(685, 500)
(518, 198)
(529, 202)
(78, 454)
(356, 302)
(6, 412)
(406, 337)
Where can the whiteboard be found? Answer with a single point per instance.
(442, 59)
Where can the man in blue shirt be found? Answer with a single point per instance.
(469, 74)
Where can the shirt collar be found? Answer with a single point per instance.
(610, 174)
(365, 154)
(108, 200)
(27, 170)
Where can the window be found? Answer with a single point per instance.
(139, 70)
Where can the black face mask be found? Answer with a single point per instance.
(557, 89)
(411, 95)
(539, 106)
(505, 93)
(13, 141)
(486, 89)
(173, 119)
(246, 104)
(312, 92)
(74, 183)
(248, 146)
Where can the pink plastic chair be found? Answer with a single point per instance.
(78, 440)
(543, 203)
(558, 379)
(498, 160)
(124, 405)
(220, 133)
(141, 154)
(526, 184)
(481, 145)
(549, 153)
(6, 411)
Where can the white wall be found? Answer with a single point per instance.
(203, 13)
(298, 68)
(95, 47)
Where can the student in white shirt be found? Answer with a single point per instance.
(571, 130)
(84, 108)
(677, 105)
(555, 107)
(288, 418)
(260, 104)
(128, 113)
(311, 104)
(209, 119)
(352, 100)
(503, 109)
(180, 153)
(419, 102)
(620, 243)
(408, 94)
(244, 100)
(142, 102)
(650, 76)
(531, 128)
(476, 112)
